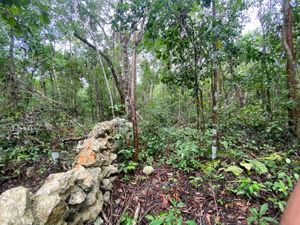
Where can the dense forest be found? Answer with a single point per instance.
(211, 87)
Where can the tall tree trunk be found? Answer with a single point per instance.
(133, 105)
(125, 74)
(98, 98)
(108, 87)
(291, 68)
(202, 111)
(214, 147)
(13, 85)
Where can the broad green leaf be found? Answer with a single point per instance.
(259, 166)
(272, 157)
(191, 222)
(157, 222)
(150, 217)
(235, 170)
(263, 209)
(246, 165)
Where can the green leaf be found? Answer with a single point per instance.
(157, 222)
(218, 44)
(259, 166)
(191, 222)
(263, 209)
(270, 219)
(247, 166)
(11, 21)
(235, 170)
(45, 18)
(150, 217)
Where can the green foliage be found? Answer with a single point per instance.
(126, 219)
(173, 216)
(128, 167)
(237, 171)
(259, 216)
(249, 188)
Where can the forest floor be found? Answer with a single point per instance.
(28, 173)
(208, 204)
(251, 172)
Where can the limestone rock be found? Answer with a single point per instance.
(106, 185)
(84, 179)
(77, 196)
(96, 173)
(57, 183)
(109, 170)
(102, 129)
(89, 214)
(147, 170)
(87, 157)
(30, 171)
(106, 196)
(49, 209)
(98, 221)
(15, 207)
(91, 197)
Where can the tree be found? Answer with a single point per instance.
(291, 67)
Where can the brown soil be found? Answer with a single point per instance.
(14, 174)
(206, 205)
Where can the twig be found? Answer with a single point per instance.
(136, 214)
(107, 221)
(146, 212)
(124, 210)
(214, 196)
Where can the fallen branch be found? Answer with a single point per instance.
(136, 214)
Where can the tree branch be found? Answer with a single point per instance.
(107, 59)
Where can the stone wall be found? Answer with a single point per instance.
(74, 197)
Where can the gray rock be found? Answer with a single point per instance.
(57, 183)
(109, 170)
(89, 214)
(30, 172)
(147, 170)
(49, 209)
(106, 185)
(77, 196)
(15, 207)
(106, 196)
(98, 221)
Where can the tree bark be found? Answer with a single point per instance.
(291, 68)
(214, 147)
(13, 86)
(133, 104)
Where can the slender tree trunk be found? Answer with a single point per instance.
(125, 74)
(214, 147)
(133, 105)
(98, 98)
(108, 87)
(202, 111)
(291, 67)
(13, 86)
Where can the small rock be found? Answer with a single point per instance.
(106, 185)
(30, 172)
(106, 196)
(109, 170)
(90, 213)
(148, 170)
(77, 196)
(98, 221)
